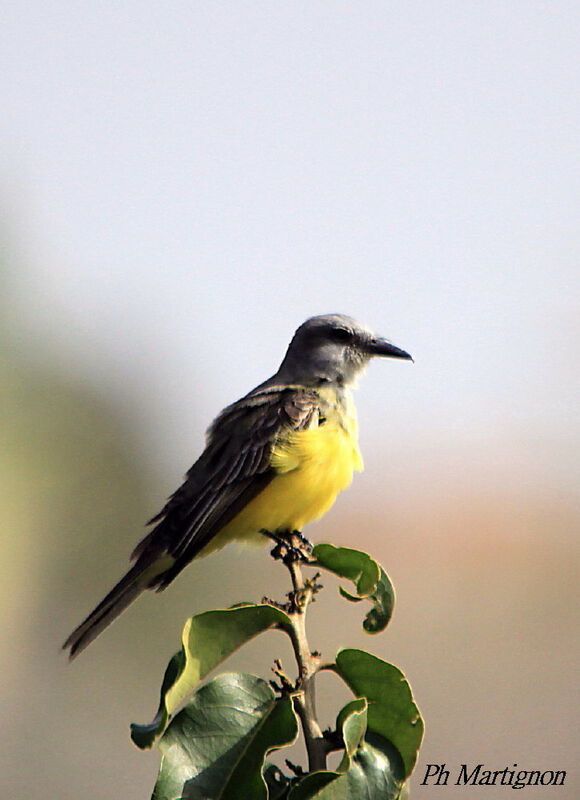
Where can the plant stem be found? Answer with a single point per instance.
(308, 664)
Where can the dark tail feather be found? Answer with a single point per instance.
(140, 577)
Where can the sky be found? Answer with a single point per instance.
(186, 182)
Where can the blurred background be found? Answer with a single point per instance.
(182, 185)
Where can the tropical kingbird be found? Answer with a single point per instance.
(273, 461)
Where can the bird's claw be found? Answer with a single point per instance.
(305, 544)
(290, 547)
(288, 554)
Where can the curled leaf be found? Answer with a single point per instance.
(371, 581)
(370, 767)
(392, 711)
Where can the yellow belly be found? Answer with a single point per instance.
(312, 467)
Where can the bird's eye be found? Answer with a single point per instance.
(341, 335)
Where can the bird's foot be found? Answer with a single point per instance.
(305, 543)
(290, 547)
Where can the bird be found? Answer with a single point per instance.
(273, 461)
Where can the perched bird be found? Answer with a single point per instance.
(273, 461)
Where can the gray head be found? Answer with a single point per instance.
(333, 347)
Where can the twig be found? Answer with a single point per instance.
(317, 745)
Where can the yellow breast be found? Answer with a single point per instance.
(312, 467)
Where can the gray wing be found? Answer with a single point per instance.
(234, 468)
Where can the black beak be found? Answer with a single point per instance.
(380, 347)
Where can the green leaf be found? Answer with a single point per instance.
(215, 746)
(370, 769)
(352, 722)
(207, 639)
(392, 712)
(371, 581)
(144, 735)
